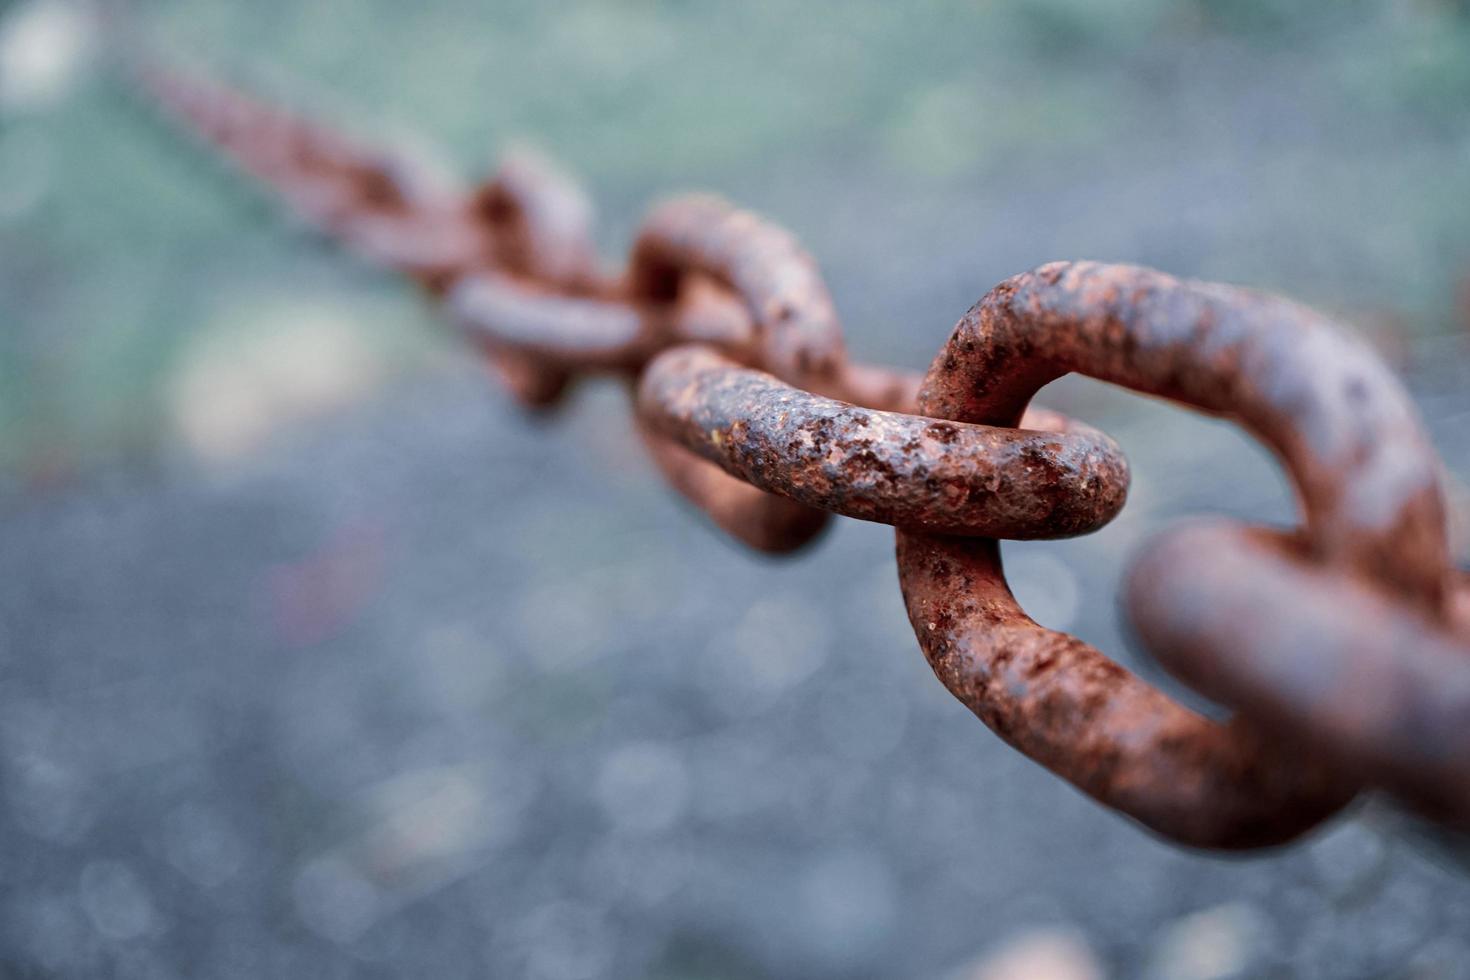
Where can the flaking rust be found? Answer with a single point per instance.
(1070, 708)
(1343, 648)
(1351, 442)
(1347, 432)
(762, 264)
(889, 467)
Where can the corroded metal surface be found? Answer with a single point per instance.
(1344, 428)
(1070, 708)
(1348, 437)
(1342, 648)
(889, 467)
(763, 521)
(796, 323)
(1248, 617)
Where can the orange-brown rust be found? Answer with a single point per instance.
(1070, 708)
(1314, 651)
(763, 521)
(883, 466)
(1347, 435)
(1344, 648)
(796, 323)
(1342, 425)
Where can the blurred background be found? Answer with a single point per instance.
(318, 659)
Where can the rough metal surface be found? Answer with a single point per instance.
(516, 263)
(797, 326)
(907, 470)
(1351, 440)
(760, 520)
(1344, 427)
(1067, 706)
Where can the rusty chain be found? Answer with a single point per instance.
(1342, 647)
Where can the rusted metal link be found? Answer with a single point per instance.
(524, 239)
(328, 179)
(1343, 648)
(1247, 617)
(592, 334)
(1344, 428)
(1351, 442)
(516, 267)
(796, 324)
(759, 520)
(535, 223)
(356, 194)
(1070, 708)
(515, 264)
(618, 331)
(883, 466)
(795, 331)
(542, 223)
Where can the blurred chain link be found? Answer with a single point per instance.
(1343, 647)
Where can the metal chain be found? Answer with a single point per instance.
(1343, 647)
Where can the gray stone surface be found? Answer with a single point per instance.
(427, 690)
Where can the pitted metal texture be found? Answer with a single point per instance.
(1341, 647)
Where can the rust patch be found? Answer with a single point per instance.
(1351, 442)
(888, 467)
(1344, 648)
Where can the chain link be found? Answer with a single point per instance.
(1343, 647)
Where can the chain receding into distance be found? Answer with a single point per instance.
(1342, 647)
